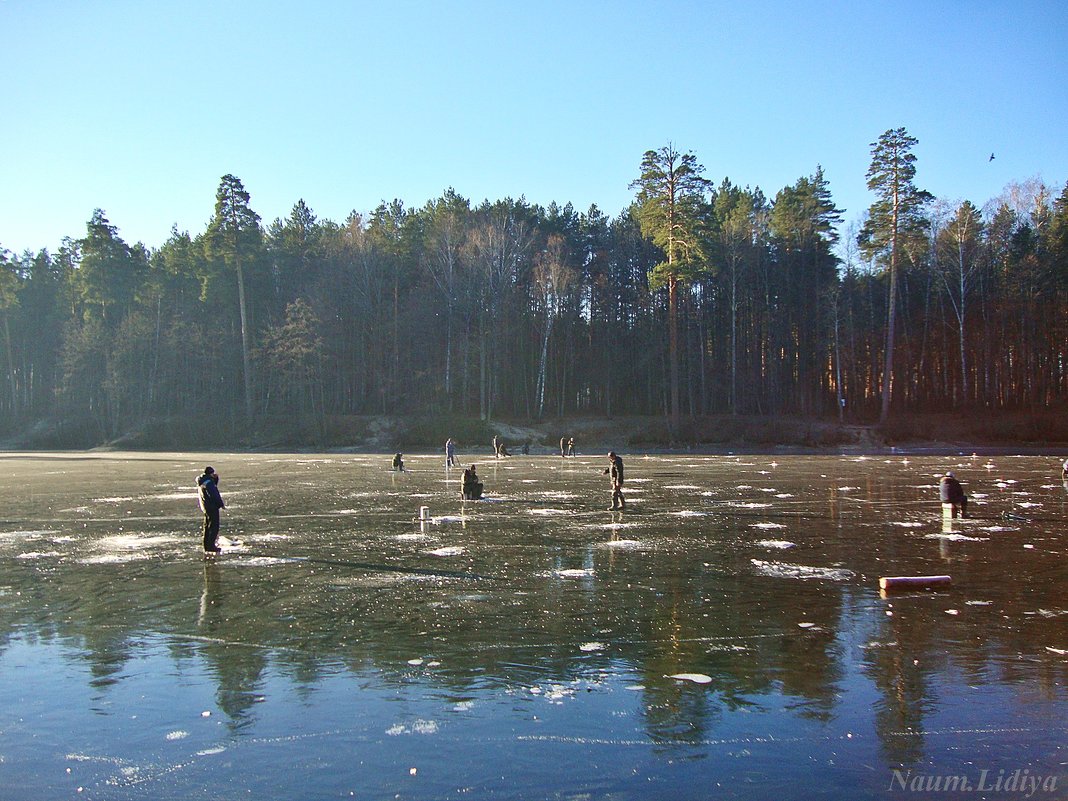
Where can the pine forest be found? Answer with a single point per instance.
(701, 298)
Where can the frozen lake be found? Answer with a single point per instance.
(725, 637)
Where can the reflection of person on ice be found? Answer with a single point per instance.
(950, 491)
(211, 503)
(470, 486)
(615, 472)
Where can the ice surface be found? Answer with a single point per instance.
(498, 640)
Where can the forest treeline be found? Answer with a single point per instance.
(698, 299)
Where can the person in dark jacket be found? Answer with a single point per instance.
(398, 463)
(615, 473)
(211, 503)
(470, 486)
(950, 491)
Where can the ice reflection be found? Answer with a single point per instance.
(728, 628)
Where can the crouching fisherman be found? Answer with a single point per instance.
(470, 486)
(951, 492)
(211, 503)
(398, 463)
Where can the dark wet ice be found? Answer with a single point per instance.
(725, 636)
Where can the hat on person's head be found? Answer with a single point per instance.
(949, 474)
(611, 454)
(209, 469)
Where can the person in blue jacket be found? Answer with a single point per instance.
(211, 503)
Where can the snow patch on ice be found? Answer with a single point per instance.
(448, 550)
(780, 544)
(574, 573)
(784, 570)
(696, 678)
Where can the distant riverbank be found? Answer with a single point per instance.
(1044, 432)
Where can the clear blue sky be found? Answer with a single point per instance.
(139, 107)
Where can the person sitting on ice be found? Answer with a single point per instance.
(470, 486)
(950, 491)
(398, 463)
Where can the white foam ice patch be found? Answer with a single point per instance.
(348, 511)
(784, 570)
(1028, 504)
(449, 550)
(411, 537)
(463, 706)
(129, 542)
(27, 534)
(38, 555)
(999, 528)
(748, 505)
(779, 544)
(122, 499)
(623, 544)
(177, 735)
(549, 511)
(696, 678)
(175, 496)
(767, 525)
(592, 646)
(574, 573)
(114, 558)
(218, 749)
(418, 727)
(744, 487)
(906, 524)
(784, 495)
(263, 561)
(955, 538)
(559, 495)
(848, 489)
(681, 487)
(978, 603)
(689, 513)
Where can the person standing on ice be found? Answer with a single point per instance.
(950, 491)
(211, 503)
(450, 453)
(615, 472)
(1064, 469)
